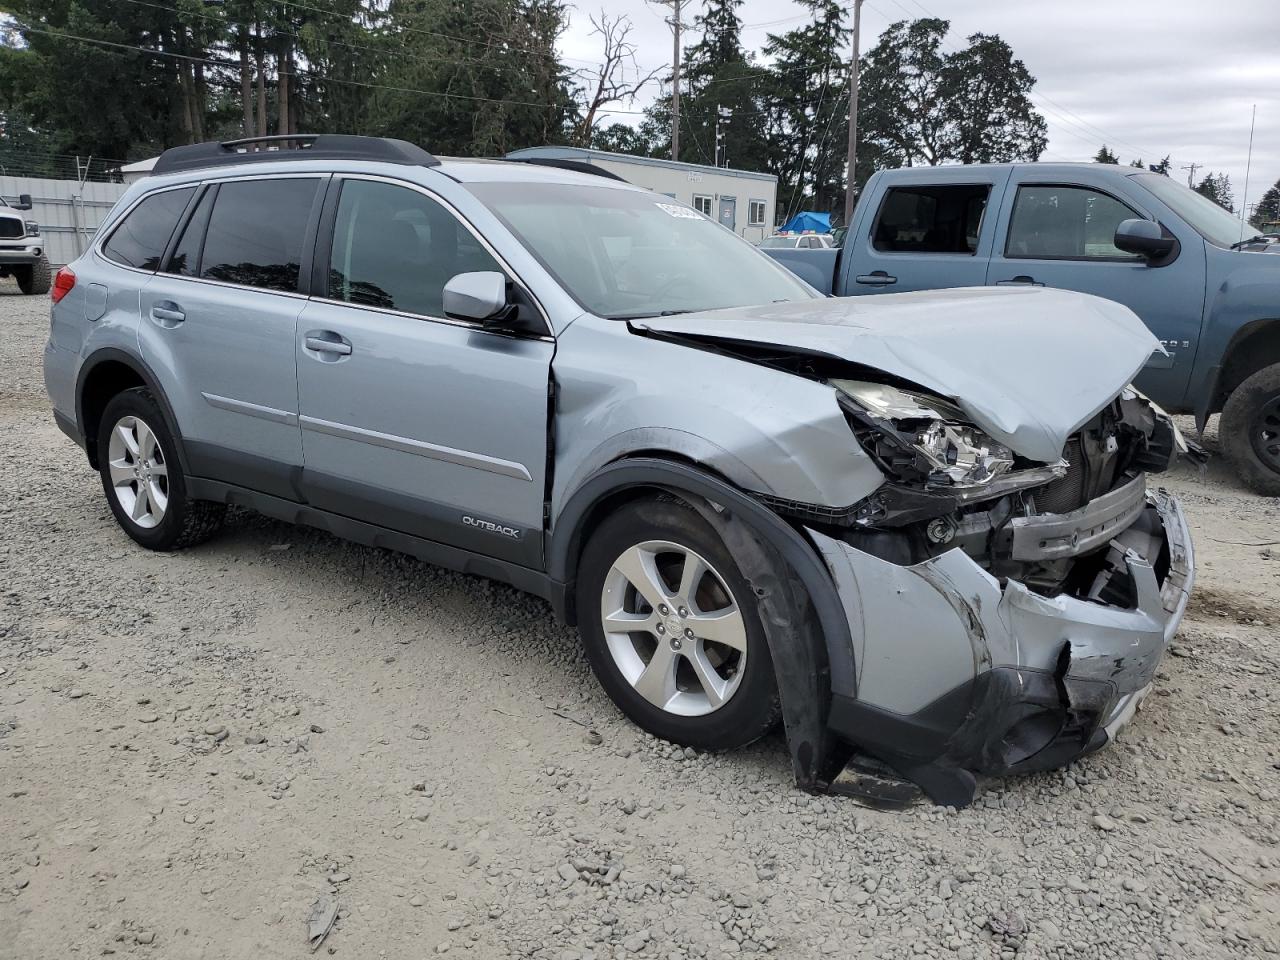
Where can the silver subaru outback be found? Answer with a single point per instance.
(916, 526)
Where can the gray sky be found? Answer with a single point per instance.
(1175, 77)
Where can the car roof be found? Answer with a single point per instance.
(950, 170)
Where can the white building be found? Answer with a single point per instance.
(742, 200)
(133, 172)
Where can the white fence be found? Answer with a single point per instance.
(68, 212)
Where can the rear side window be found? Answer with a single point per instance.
(140, 239)
(256, 230)
(396, 248)
(1066, 223)
(931, 219)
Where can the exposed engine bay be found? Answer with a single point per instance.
(949, 486)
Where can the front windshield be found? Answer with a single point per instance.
(626, 253)
(776, 243)
(1207, 218)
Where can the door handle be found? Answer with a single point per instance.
(324, 341)
(167, 313)
(876, 278)
(1022, 280)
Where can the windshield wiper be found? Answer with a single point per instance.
(1240, 243)
(646, 316)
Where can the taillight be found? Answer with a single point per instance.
(63, 281)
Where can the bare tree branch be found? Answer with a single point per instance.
(617, 79)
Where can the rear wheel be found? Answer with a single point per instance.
(34, 278)
(672, 630)
(1250, 430)
(142, 480)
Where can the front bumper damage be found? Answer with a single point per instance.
(959, 675)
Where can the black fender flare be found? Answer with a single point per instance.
(805, 624)
(148, 377)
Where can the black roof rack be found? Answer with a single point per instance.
(578, 166)
(292, 146)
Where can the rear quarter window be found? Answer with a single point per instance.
(141, 237)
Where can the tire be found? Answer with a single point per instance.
(652, 673)
(139, 463)
(1250, 430)
(36, 278)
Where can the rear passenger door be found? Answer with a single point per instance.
(925, 236)
(218, 327)
(410, 420)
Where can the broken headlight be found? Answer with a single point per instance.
(916, 437)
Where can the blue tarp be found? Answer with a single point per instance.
(807, 220)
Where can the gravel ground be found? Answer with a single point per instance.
(195, 747)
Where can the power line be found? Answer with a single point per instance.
(310, 74)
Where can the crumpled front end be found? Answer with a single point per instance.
(1003, 637)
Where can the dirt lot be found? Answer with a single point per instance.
(194, 747)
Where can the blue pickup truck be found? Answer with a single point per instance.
(1140, 238)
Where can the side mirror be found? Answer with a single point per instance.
(478, 296)
(1146, 238)
(24, 202)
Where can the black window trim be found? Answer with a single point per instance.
(180, 230)
(101, 241)
(875, 221)
(1062, 184)
(323, 251)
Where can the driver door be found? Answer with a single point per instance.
(410, 420)
(1059, 234)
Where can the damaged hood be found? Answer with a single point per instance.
(1028, 365)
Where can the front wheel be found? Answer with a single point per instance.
(672, 630)
(143, 480)
(1250, 430)
(35, 278)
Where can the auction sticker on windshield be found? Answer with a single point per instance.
(683, 213)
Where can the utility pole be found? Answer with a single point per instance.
(1191, 174)
(675, 80)
(853, 114)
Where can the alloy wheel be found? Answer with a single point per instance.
(139, 473)
(673, 627)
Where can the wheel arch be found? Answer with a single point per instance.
(1253, 346)
(106, 373)
(804, 620)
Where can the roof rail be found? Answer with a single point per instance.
(578, 166)
(292, 146)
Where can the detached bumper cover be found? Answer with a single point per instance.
(1049, 679)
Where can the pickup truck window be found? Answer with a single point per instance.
(931, 219)
(1206, 218)
(1066, 223)
(625, 253)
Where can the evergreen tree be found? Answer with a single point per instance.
(989, 115)
(809, 110)
(1105, 156)
(922, 105)
(1268, 209)
(1217, 187)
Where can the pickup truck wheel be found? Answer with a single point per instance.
(1250, 430)
(35, 278)
(142, 479)
(672, 630)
